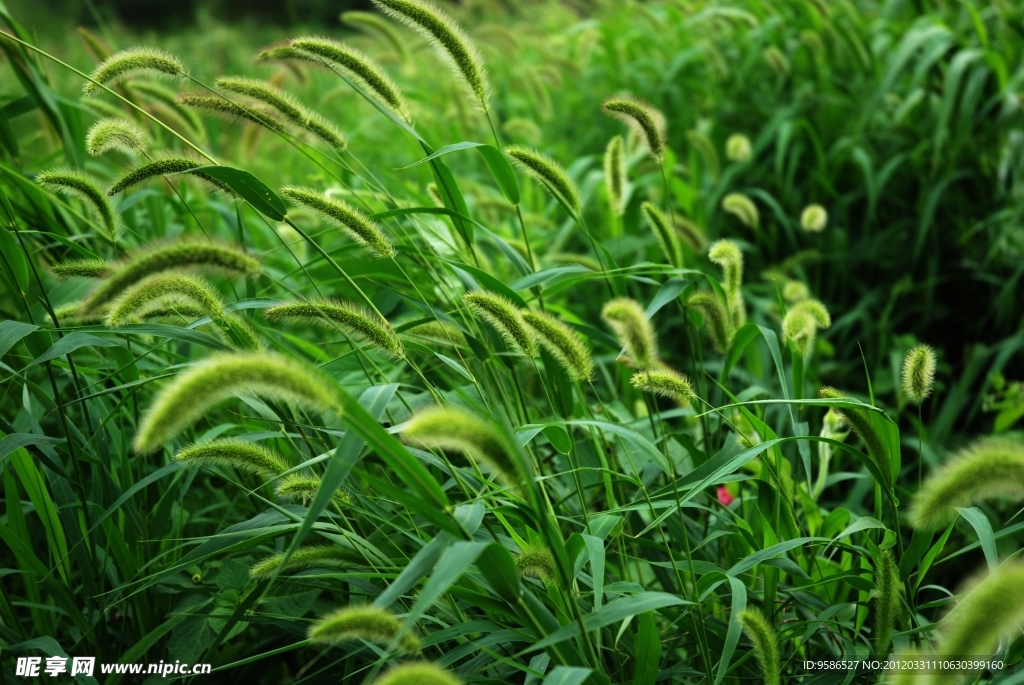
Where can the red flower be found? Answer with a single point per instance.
(724, 496)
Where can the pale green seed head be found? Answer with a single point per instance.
(315, 556)
(717, 320)
(233, 111)
(918, 373)
(647, 121)
(537, 562)
(192, 394)
(116, 134)
(886, 606)
(633, 329)
(991, 608)
(564, 343)
(664, 231)
(799, 329)
(795, 291)
(354, 320)
(504, 318)
(743, 208)
(814, 219)
(451, 428)
(447, 38)
(240, 454)
(665, 383)
(133, 62)
(82, 268)
(83, 186)
(163, 166)
(766, 645)
(296, 487)
(615, 175)
(421, 673)
(368, 623)
(361, 228)
(738, 148)
(548, 173)
(157, 288)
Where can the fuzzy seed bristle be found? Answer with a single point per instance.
(163, 166)
(116, 134)
(548, 173)
(536, 562)
(766, 645)
(81, 185)
(504, 317)
(743, 208)
(564, 344)
(240, 454)
(126, 307)
(232, 111)
(82, 268)
(886, 607)
(717, 320)
(362, 229)
(368, 623)
(814, 219)
(296, 487)
(738, 148)
(647, 121)
(728, 256)
(918, 373)
(633, 329)
(132, 62)
(665, 233)
(353, 319)
(615, 175)
(315, 556)
(421, 673)
(665, 383)
(991, 608)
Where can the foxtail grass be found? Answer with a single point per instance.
(633, 329)
(504, 318)
(351, 318)
(368, 623)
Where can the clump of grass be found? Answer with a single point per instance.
(647, 121)
(351, 318)
(119, 134)
(362, 229)
(766, 645)
(421, 673)
(314, 556)
(918, 374)
(615, 175)
(81, 185)
(814, 219)
(192, 394)
(357, 66)
(564, 344)
(369, 623)
(663, 230)
(665, 383)
(633, 329)
(987, 469)
(450, 428)
(447, 38)
(239, 454)
(549, 174)
(133, 62)
(504, 318)
(743, 208)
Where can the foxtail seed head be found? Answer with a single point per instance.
(378, 25)
(766, 645)
(361, 228)
(447, 38)
(663, 230)
(743, 208)
(716, 319)
(297, 487)
(82, 268)
(919, 373)
(738, 148)
(665, 383)
(353, 319)
(992, 608)
(864, 427)
(163, 166)
(800, 329)
(648, 122)
(537, 562)
(133, 62)
(159, 287)
(727, 255)
(79, 184)
(285, 105)
(421, 673)
(504, 317)
(456, 429)
(354, 64)
(886, 608)
(315, 556)
(240, 454)
(633, 329)
(548, 173)
(814, 219)
(116, 134)
(192, 394)
(177, 257)
(615, 175)
(368, 623)
(232, 111)
(795, 291)
(564, 343)
(990, 468)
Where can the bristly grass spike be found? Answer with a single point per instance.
(133, 62)
(648, 122)
(918, 373)
(633, 329)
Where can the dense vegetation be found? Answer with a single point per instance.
(643, 342)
